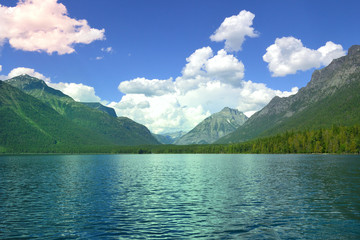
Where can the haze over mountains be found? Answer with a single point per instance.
(169, 138)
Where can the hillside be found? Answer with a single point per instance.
(99, 106)
(117, 131)
(214, 127)
(331, 97)
(29, 125)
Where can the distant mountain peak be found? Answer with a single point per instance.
(30, 77)
(25, 80)
(170, 137)
(225, 109)
(212, 128)
(35, 86)
(229, 110)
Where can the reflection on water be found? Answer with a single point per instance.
(180, 196)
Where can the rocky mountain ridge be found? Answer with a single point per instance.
(214, 127)
(99, 106)
(325, 83)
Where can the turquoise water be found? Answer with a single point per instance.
(180, 197)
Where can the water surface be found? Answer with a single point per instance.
(180, 197)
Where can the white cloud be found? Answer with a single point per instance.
(44, 25)
(78, 91)
(147, 87)
(330, 52)
(226, 68)
(168, 105)
(21, 71)
(288, 55)
(208, 83)
(107, 50)
(196, 62)
(247, 97)
(203, 67)
(234, 29)
(161, 113)
(0, 68)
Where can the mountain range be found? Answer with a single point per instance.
(36, 116)
(169, 138)
(330, 98)
(214, 127)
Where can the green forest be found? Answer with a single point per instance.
(336, 140)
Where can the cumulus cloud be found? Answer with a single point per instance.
(330, 52)
(288, 55)
(78, 91)
(208, 83)
(234, 29)
(197, 61)
(161, 113)
(203, 67)
(22, 71)
(166, 105)
(44, 25)
(29, 71)
(248, 97)
(147, 87)
(225, 68)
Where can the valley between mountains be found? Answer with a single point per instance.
(322, 117)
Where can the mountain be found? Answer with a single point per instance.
(169, 138)
(99, 106)
(330, 98)
(214, 127)
(38, 89)
(117, 131)
(29, 125)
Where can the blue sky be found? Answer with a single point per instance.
(146, 46)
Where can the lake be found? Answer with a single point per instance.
(180, 197)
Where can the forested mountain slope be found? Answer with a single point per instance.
(107, 128)
(331, 97)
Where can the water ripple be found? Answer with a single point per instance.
(180, 197)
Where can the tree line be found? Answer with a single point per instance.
(337, 140)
